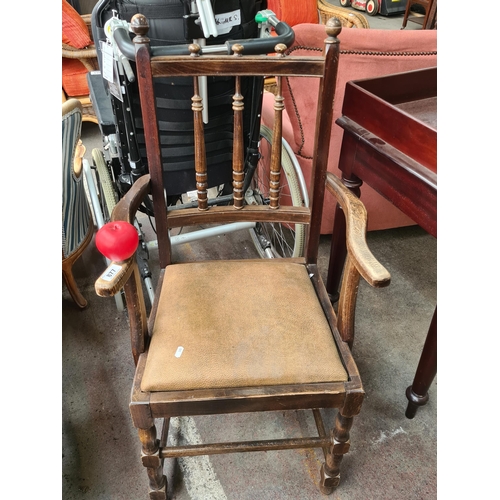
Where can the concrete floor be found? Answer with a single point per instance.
(391, 457)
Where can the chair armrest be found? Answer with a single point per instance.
(113, 279)
(127, 207)
(356, 221)
(117, 274)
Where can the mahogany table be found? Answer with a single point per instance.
(390, 143)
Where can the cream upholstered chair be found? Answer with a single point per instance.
(212, 344)
(77, 224)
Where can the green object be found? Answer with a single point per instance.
(263, 15)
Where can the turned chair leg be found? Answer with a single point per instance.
(67, 268)
(330, 470)
(72, 287)
(153, 463)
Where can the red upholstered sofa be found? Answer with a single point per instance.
(364, 53)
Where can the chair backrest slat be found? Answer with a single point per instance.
(275, 170)
(199, 147)
(238, 152)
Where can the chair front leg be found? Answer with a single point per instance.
(153, 463)
(330, 470)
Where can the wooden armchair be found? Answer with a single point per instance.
(212, 345)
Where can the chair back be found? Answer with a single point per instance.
(76, 215)
(239, 66)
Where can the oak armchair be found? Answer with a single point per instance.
(278, 346)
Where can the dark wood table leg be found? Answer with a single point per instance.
(426, 371)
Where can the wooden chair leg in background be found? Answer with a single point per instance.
(67, 270)
(71, 285)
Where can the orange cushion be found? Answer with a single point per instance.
(74, 29)
(295, 12)
(74, 77)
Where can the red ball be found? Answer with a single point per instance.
(117, 240)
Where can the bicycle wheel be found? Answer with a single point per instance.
(107, 192)
(107, 201)
(277, 240)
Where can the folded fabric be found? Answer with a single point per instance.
(293, 12)
(74, 29)
(74, 77)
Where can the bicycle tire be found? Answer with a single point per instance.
(105, 184)
(282, 240)
(107, 200)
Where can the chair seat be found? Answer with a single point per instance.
(217, 328)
